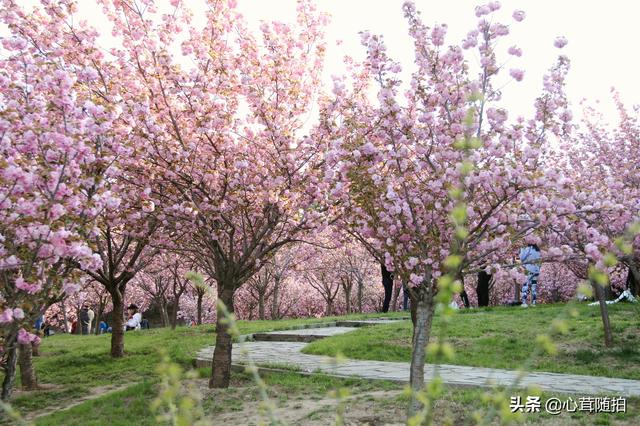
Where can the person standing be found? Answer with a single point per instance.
(463, 294)
(92, 315)
(530, 258)
(84, 320)
(482, 288)
(387, 283)
(39, 323)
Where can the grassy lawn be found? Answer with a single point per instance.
(504, 337)
(74, 366)
(119, 391)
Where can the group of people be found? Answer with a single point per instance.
(86, 319)
(133, 321)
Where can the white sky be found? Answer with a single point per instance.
(603, 37)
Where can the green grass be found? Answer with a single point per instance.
(504, 337)
(127, 407)
(495, 337)
(72, 359)
(82, 363)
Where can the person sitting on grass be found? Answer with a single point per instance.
(530, 258)
(135, 318)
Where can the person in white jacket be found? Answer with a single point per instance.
(530, 258)
(135, 318)
(91, 315)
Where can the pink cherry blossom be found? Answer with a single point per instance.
(518, 15)
(21, 284)
(560, 42)
(6, 316)
(515, 51)
(26, 338)
(517, 74)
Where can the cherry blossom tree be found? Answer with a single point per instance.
(224, 133)
(397, 167)
(590, 225)
(608, 182)
(105, 91)
(266, 286)
(51, 184)
(362, 268)
(155, 282)
(199, 299)
(324, 277)
(179, 285)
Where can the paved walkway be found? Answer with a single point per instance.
(319, 331)
(289, 354)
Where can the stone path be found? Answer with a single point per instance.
(303, 335)
(288, 353)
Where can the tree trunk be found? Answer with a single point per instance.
(199, 308)
(359, 294)
(608, 293)
(78, 322)
(329, 310)
(117, 330)
(221, 371)
(35, 348)
(261, 305)
(27, 372)
(633, 279)
(164, 314)
(64, 316)
(413, 306)
(394, 298)
(174, 314)
(10, 367)
(275, 302)
(98, 318)
(604, 313)
(424, 308)
(347, 296)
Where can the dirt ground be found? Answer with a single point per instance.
(369, 408)
(241, 406)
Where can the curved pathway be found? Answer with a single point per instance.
(270, 350)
